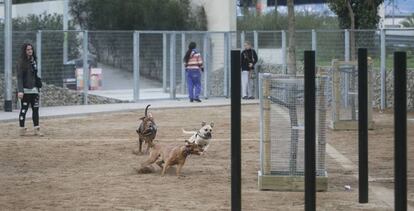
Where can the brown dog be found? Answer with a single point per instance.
(171, 155)
(147, 131)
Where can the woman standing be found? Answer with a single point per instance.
(28, 87)
(193, 67)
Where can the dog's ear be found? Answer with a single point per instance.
(142, 118)
(187, 142)
(211, 124)
(203, 123)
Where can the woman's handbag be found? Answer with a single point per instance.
(38, 82)
(252, 73)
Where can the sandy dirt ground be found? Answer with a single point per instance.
(86, 163)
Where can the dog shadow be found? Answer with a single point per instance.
(156, 170)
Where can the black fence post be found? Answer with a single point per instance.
(363, 124)
(400, 130)
(310, 135)
(235, 131)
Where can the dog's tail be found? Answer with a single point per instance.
(146, 110)
(189, 132)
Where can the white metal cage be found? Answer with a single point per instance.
(345, 95)
(282, 132)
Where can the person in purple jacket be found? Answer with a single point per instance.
(193, 68)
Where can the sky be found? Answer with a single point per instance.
(401, 7)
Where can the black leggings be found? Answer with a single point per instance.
(33, 100)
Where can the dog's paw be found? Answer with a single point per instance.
(137, 152)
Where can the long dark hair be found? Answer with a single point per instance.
(23, 56)
(191, 47)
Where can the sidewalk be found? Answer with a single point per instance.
(79, 110)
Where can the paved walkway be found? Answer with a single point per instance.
(128, 94)
(77, 110)
(118, 84)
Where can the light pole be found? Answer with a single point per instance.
(8, 55)
(65, 28)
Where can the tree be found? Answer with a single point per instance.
(245, 4)
(356, 14)
(292, 38)
(365, 12)
(25, 1)
(25, 29)
(409, 21)
(136, 15)
(274, 21)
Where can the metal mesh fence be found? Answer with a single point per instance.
(303, 42)
(345, 91)
(153, 60)
(53, 67)
(111, 55)
(270, 51)
(160, 65)
(398, 40)
(18, 39)
(369, 39)
(330, 45)
(282, 125)
(216, 64)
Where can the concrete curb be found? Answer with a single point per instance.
(86, 110)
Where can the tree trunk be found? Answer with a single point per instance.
(352, 31)
(292, 39)
(294, 136)
(353, 57)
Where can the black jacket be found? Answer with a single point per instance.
(248, 56)
(26, 76)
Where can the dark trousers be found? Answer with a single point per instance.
(33, 100)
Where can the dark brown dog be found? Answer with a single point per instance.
(147, 131)
(171, 155)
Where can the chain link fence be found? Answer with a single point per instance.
(128, 66)
(282, 155)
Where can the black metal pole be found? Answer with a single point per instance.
(363, 124)
(235, 131)
(400, 136)
(310, 135)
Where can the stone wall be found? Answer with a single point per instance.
(278, 69)
(390, 89)
(52, 95)
(57, 96)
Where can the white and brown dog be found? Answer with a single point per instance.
(201, 137)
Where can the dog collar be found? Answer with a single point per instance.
(203, 137)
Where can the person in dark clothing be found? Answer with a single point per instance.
(28, 87)
(248, 60)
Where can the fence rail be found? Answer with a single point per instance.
(137, 65)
